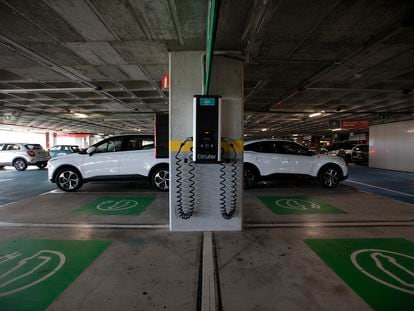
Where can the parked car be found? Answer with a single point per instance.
(360, 154)
(60, 150)
(343, 150)
(126, 157)
(22, 155)
(267, 158)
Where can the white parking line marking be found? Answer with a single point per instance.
(7, 204)
(381, 188)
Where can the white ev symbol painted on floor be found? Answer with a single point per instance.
(387, 267)
(29, 271)
(297, 204)
(110, 205)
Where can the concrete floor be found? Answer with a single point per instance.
(267, 268)
(259, 269)
(57, 207)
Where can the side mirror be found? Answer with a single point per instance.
(91, 150)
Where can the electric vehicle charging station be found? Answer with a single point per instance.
(206, 148)
(206, 129)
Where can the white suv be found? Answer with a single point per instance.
(21, 155)
(265, 158)
(127, 157)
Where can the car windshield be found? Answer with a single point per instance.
(33, 147)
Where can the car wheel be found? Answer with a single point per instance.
(20, 164)
(249, 178)
(330, 176)
(1, 166)
(41, 164)
(69, 179)
(160, 178)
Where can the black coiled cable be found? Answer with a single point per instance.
(179, 203)
(233, 202)
(191, 183)
(223, 190)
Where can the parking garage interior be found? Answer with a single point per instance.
(333, 76)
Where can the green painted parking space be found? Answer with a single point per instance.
(34, 272)
(380, 271)
(115, 206)
(298, 205)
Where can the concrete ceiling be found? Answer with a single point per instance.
(352, 59)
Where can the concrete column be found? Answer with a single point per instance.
(207, 191)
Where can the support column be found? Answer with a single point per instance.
(207, 192)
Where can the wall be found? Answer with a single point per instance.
(391, 146)
(81, 140)
(22, 137)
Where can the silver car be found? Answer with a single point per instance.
(21, 155)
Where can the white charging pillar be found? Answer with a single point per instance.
(205, 197)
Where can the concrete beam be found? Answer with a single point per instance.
(96, 53)
(81, 17)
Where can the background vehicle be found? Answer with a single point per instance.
(22, 155)
(118, 158)
(265, 159)
(360, 154)
(60, 150)
(343, 150)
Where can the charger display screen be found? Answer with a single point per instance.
(207, 129)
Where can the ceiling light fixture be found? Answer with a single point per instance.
(264, 129)
(315, 114)
(80, 115)
(336, 130)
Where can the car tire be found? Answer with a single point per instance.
(250, 177)
(69, 179)
(20, 164)
(160, 178)
(1, 166)
(330, 176)
(41, 165)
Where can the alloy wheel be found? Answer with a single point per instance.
(20, 165)
(249, 178)
(68, 180)
(331, 178)
(162, 179)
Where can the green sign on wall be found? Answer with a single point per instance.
(297, 205)
(34, 272)
(381, 271)
(115, 206)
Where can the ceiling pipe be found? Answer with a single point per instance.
(212, 19)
